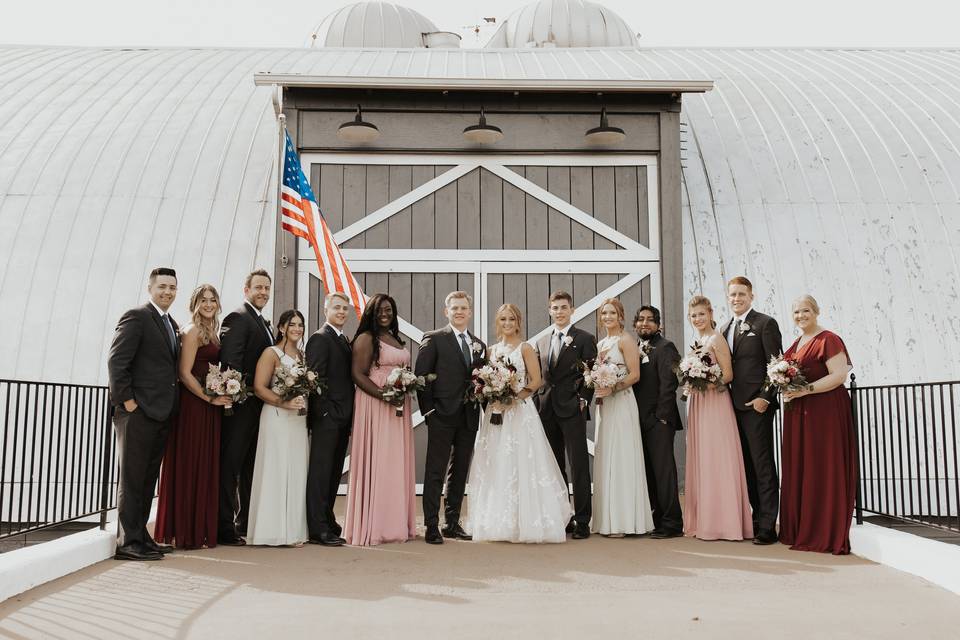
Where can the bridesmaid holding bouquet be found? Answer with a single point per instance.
(819, 450)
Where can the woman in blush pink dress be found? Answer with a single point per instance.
(717, 506)
(380, 494)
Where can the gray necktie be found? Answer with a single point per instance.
(736, 332)
(171, 336)
(555, 347)
(465, 348)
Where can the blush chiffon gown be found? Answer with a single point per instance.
(717, 506)
(381, 491)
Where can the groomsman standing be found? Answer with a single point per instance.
(244, 336)
(451, 353)
(562, 403)
(142, 368)
(754, 338)
(656, 394)
(329, 418)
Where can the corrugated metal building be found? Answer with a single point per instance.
(828, 171)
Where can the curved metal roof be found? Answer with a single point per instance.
(826, 171)
(563, 23)
(372, 24)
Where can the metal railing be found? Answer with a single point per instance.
(57, 455)
(908, 451)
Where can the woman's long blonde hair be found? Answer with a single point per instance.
(206, 329)
(515, 310)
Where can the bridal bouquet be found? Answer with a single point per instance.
(601, 373)
(497, 381)
(402, 382)
(698, 372)
(785, 375)
(227, 382)
(291, 381)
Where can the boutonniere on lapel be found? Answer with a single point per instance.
(477, 348)
(567, 341)
(645, 350)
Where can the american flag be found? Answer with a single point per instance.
(302, 217)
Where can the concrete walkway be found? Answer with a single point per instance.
(627, 588)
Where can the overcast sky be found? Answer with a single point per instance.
(288, 23)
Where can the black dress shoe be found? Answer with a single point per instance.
(455, 531)
(327, 539)
(135, 553)
(336, 529)
(571, 526)
(663, 534)
(159, 547)
(581, 531)
(432, 535)
(766, 536)
(231, 541)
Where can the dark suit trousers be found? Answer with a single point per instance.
(763, 483)
(328, 448)
(661, 468)
(570, 435)
(141, 442)
(238, 448)
(449, 451)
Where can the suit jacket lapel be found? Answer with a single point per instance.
(563, 345)
(260, 322)
(340, 341)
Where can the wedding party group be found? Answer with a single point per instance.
(247, 426)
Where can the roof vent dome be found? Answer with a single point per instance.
(563, 23)
(372, 24)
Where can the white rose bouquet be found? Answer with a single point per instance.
(601, 373)
(495, 382)
(402, 382)
(291, 381)
(698, 372)
(226, 382)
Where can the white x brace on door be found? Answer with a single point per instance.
(631, 261)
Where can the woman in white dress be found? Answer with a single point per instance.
(621, 504)
(278, 496)
(517, 493)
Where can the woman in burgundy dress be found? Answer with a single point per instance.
(819, 450)
(189, 482)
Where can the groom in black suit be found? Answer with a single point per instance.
(562, 402)
(656, 394)
(142, 368)
(243, 338)
(451, 353)
(329, 418)
(754, 338)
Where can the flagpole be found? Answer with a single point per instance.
(282, 153)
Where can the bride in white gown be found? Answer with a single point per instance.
(517, 493)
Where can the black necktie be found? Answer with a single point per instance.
(266, 328)
(736, 333)
(344, 338)
(465, 348)
(171, 336)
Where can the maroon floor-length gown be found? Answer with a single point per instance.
(189, 482)
(819, 473)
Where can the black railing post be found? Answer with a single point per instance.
(858, 502)
(107, 464)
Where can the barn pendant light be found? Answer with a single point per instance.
(605, 134)
(357, 131)
(482, 133)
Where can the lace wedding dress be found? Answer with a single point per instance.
(517, 493)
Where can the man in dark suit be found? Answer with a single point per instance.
(562, 402)
(451, 353)
(754, 338)
(243, 338)
(143, 390)
(656, 394)
(330, 417)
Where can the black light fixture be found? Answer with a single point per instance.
(483, 133)
(605, 134)
(357, 131)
